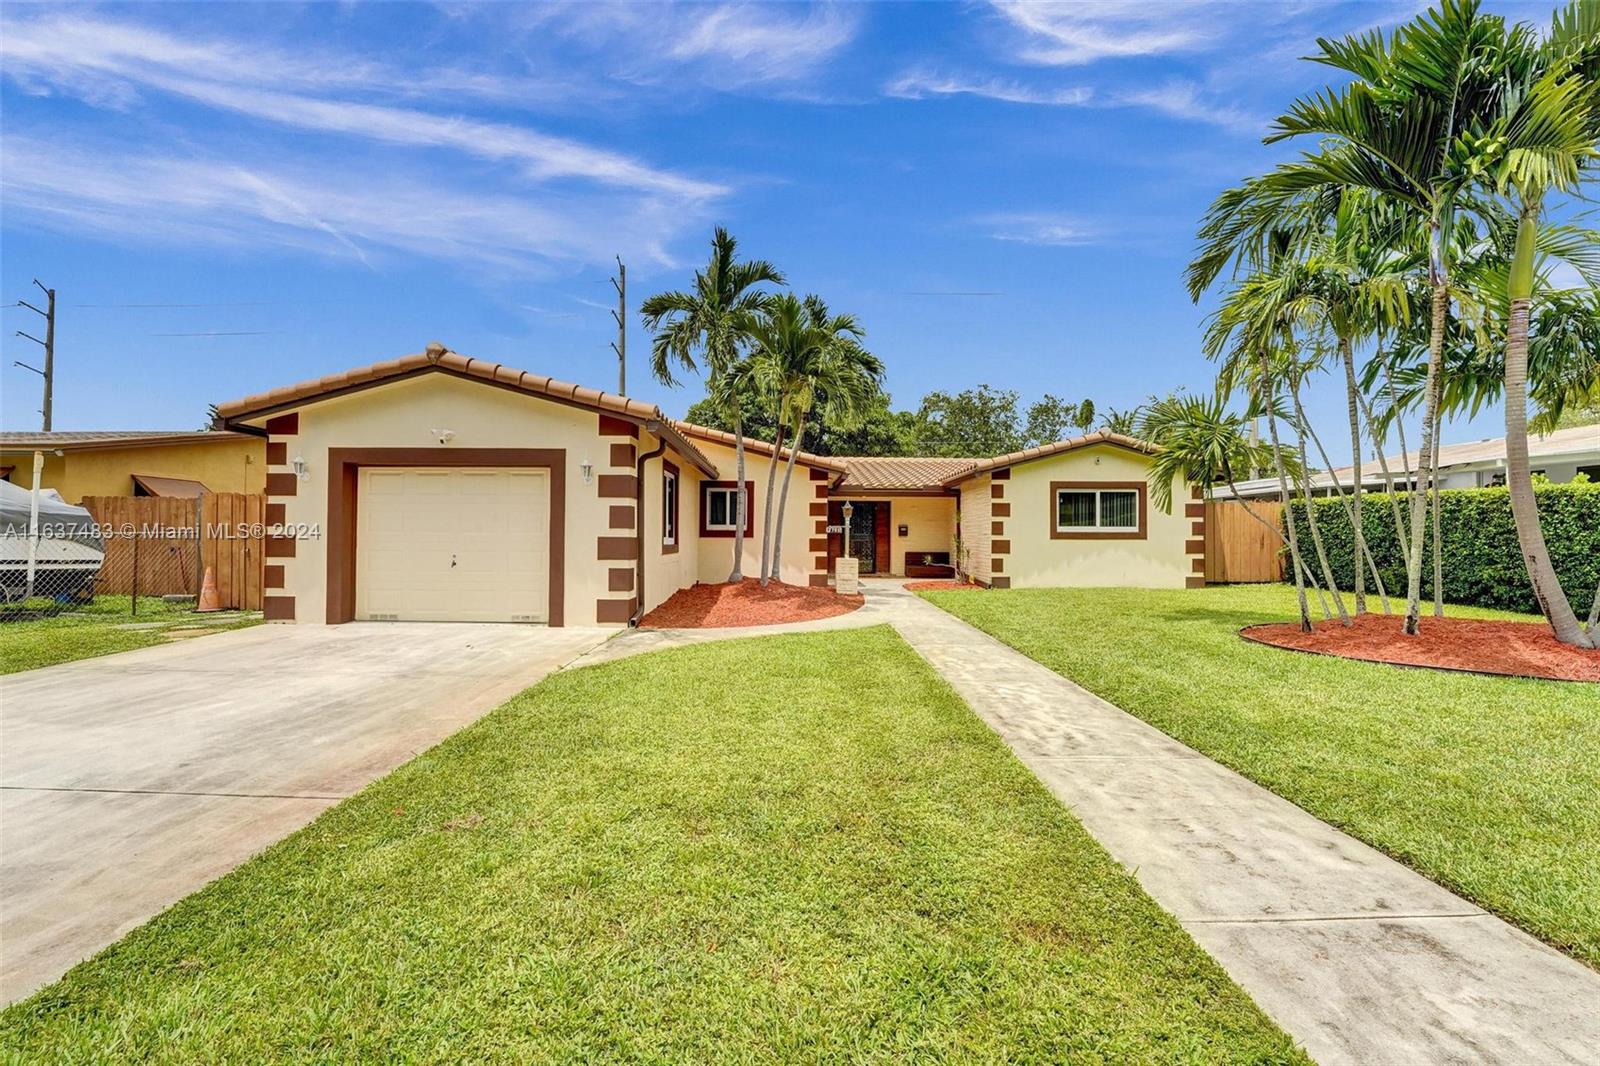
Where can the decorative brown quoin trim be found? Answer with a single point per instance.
(1003, 474)
(818, 474)
(996, 492)
(749, 508)
(1194, 510)
(1142, 533)
(610, 611)
(277, 453)
(819, 508)
(999, 582)
(282, 484)
(1000, 510)
(614, 548)
(818, 581)
(621, 516)
(1194, 547)
(276, 514)
(344, 470)
(1194, 582)
(1197, 529)
(622, 455)
(1198, 565)
(619, 579)
(278, 548)
(272, 577)
(612, 426)
(997, 529)
(617, 486)
(997, 565)
(1000, 547)
(822, 491)
(819, 544)
(277, 608)
(284, 425)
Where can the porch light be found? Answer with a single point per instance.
(587, 469)
(301, 469)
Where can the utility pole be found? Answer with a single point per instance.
(49, 346)
(620, 345)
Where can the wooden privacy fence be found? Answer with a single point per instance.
(1240, 549)
(160, 546)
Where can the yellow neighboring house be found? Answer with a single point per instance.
(137, 462)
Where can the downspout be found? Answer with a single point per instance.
(653, 427)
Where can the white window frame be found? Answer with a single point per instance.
(669, 508)
(1138, 502)
(734, 492)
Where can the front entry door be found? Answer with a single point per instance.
(869, 535)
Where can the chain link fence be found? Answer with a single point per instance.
(133, 556)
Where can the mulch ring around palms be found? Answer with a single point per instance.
(747, 604)
(1512, 649)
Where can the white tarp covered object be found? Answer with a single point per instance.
(69, 551)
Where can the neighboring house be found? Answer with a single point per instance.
(1560, 456)
(441, 487)
(136, 462)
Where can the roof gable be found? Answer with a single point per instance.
(439, 359)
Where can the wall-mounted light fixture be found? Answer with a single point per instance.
(302, 469)
(443, 435)
(587, 469)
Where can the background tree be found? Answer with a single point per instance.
(974, 422)
(1049, 418)
(716, 318)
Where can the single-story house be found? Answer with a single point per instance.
(1559, 455)
(442, 487)
(136, 462)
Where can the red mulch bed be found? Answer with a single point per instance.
(939, 586)
(746, 604)
(1513, 649)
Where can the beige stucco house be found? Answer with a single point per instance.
(135, 462)
(442, 487)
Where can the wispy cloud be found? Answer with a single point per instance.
(728, 46)
(1175, 99)
(920, 85)
(119, 61)
(1046, 228)
(358, 215)
(1075, 32)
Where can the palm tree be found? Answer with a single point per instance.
(1550, 132)
(785, 343)
(841, 381)
(718, 319)
(1404, 129)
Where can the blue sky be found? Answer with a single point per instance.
(234, 197)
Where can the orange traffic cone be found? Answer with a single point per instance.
(209, 599)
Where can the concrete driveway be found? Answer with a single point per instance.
(129, 781)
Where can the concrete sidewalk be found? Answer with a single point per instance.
(1359, 958)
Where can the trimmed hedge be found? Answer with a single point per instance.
(1482, 562)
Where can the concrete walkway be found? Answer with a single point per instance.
(1359, 958)
(129, 781)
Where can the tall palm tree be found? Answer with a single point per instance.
(1550, 132)
(785, 343)
(840, 384)
(717, 318)
(1404, 129)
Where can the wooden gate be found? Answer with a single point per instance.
(232, 543)
(1239, 549)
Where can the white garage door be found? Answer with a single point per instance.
(453, 545)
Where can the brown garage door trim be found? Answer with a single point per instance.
(344, 472)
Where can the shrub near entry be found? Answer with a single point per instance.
(1482, 560)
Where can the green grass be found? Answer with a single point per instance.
(88, 630)
(798, 848)
(1490, 786)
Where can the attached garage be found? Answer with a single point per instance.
(453, 545)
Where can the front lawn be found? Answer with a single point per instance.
(1487, 785)
(82, 632)
(796, 848)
